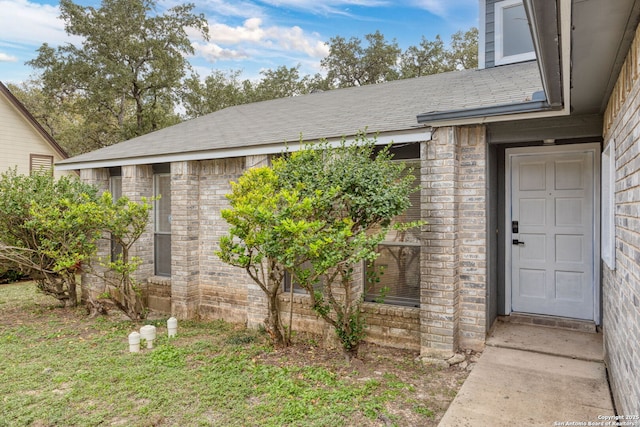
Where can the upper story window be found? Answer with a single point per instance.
(512, 35)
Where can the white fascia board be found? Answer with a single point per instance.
(413, 135)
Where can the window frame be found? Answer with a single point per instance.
(499, 57)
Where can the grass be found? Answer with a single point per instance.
(60, 368)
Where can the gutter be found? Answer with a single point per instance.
(548, 20)
(535, 105)
(391, 137)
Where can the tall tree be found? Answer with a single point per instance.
(429, 57)
(433, 57)
(127, 67)
(217, 91)
(351, 64)
(464, 49)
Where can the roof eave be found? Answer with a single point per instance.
(545, 33)
(550, 19)
(417, 134)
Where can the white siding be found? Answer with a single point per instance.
(19, 139)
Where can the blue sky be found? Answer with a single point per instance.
(251, 35)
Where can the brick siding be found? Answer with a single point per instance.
(453, 270)
(621, 287)
(453, 258)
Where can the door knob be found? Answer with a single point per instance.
(517, 242)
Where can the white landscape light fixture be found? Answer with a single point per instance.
(148, 333)
(134, 342)
(172, 327)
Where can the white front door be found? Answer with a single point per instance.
(551, 230)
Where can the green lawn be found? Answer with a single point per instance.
(60, 367)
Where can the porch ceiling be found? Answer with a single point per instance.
(602, 31)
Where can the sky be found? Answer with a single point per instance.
(250, 35)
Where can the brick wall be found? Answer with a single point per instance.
(472, 243)
(388, 325)
(185, 235)
(137, 182)
(453, 257)
(91, 282)
(621, 287)
(223, 288)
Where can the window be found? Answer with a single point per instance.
(40, 163)
(608, 233)
(400, 257)
(162, 220)
(512, 34)
(115, 188)
(297, 289)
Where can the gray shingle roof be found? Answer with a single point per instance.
(387, 107)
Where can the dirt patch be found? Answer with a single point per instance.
(430, 389)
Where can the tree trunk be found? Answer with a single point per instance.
(274, 323)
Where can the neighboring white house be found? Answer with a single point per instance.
(23, 142)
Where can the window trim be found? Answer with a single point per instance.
(499, 57)
(159, 172)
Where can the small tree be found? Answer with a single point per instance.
(356, 192)
(264, 220)
(318, 214)
(49, 229)
(124, 222)
(43, 229)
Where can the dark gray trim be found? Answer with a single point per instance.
(558, 128)
(495, 110)
(545, 33)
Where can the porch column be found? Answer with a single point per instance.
(472, 234)
(185, 232)
(453, 257)
(439, 260)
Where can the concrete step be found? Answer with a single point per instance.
(550, 321)
(573, 344)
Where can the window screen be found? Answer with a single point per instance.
(162, 224)
(115, 188)
(400, 257)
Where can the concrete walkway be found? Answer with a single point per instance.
(534, 376)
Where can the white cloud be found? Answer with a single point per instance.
(294, 39)
(212, 52)
(32, 23)
(327, 7)
(446, 8)
(226, 8)
(7, 58)
(250, 31)
(252, 38)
